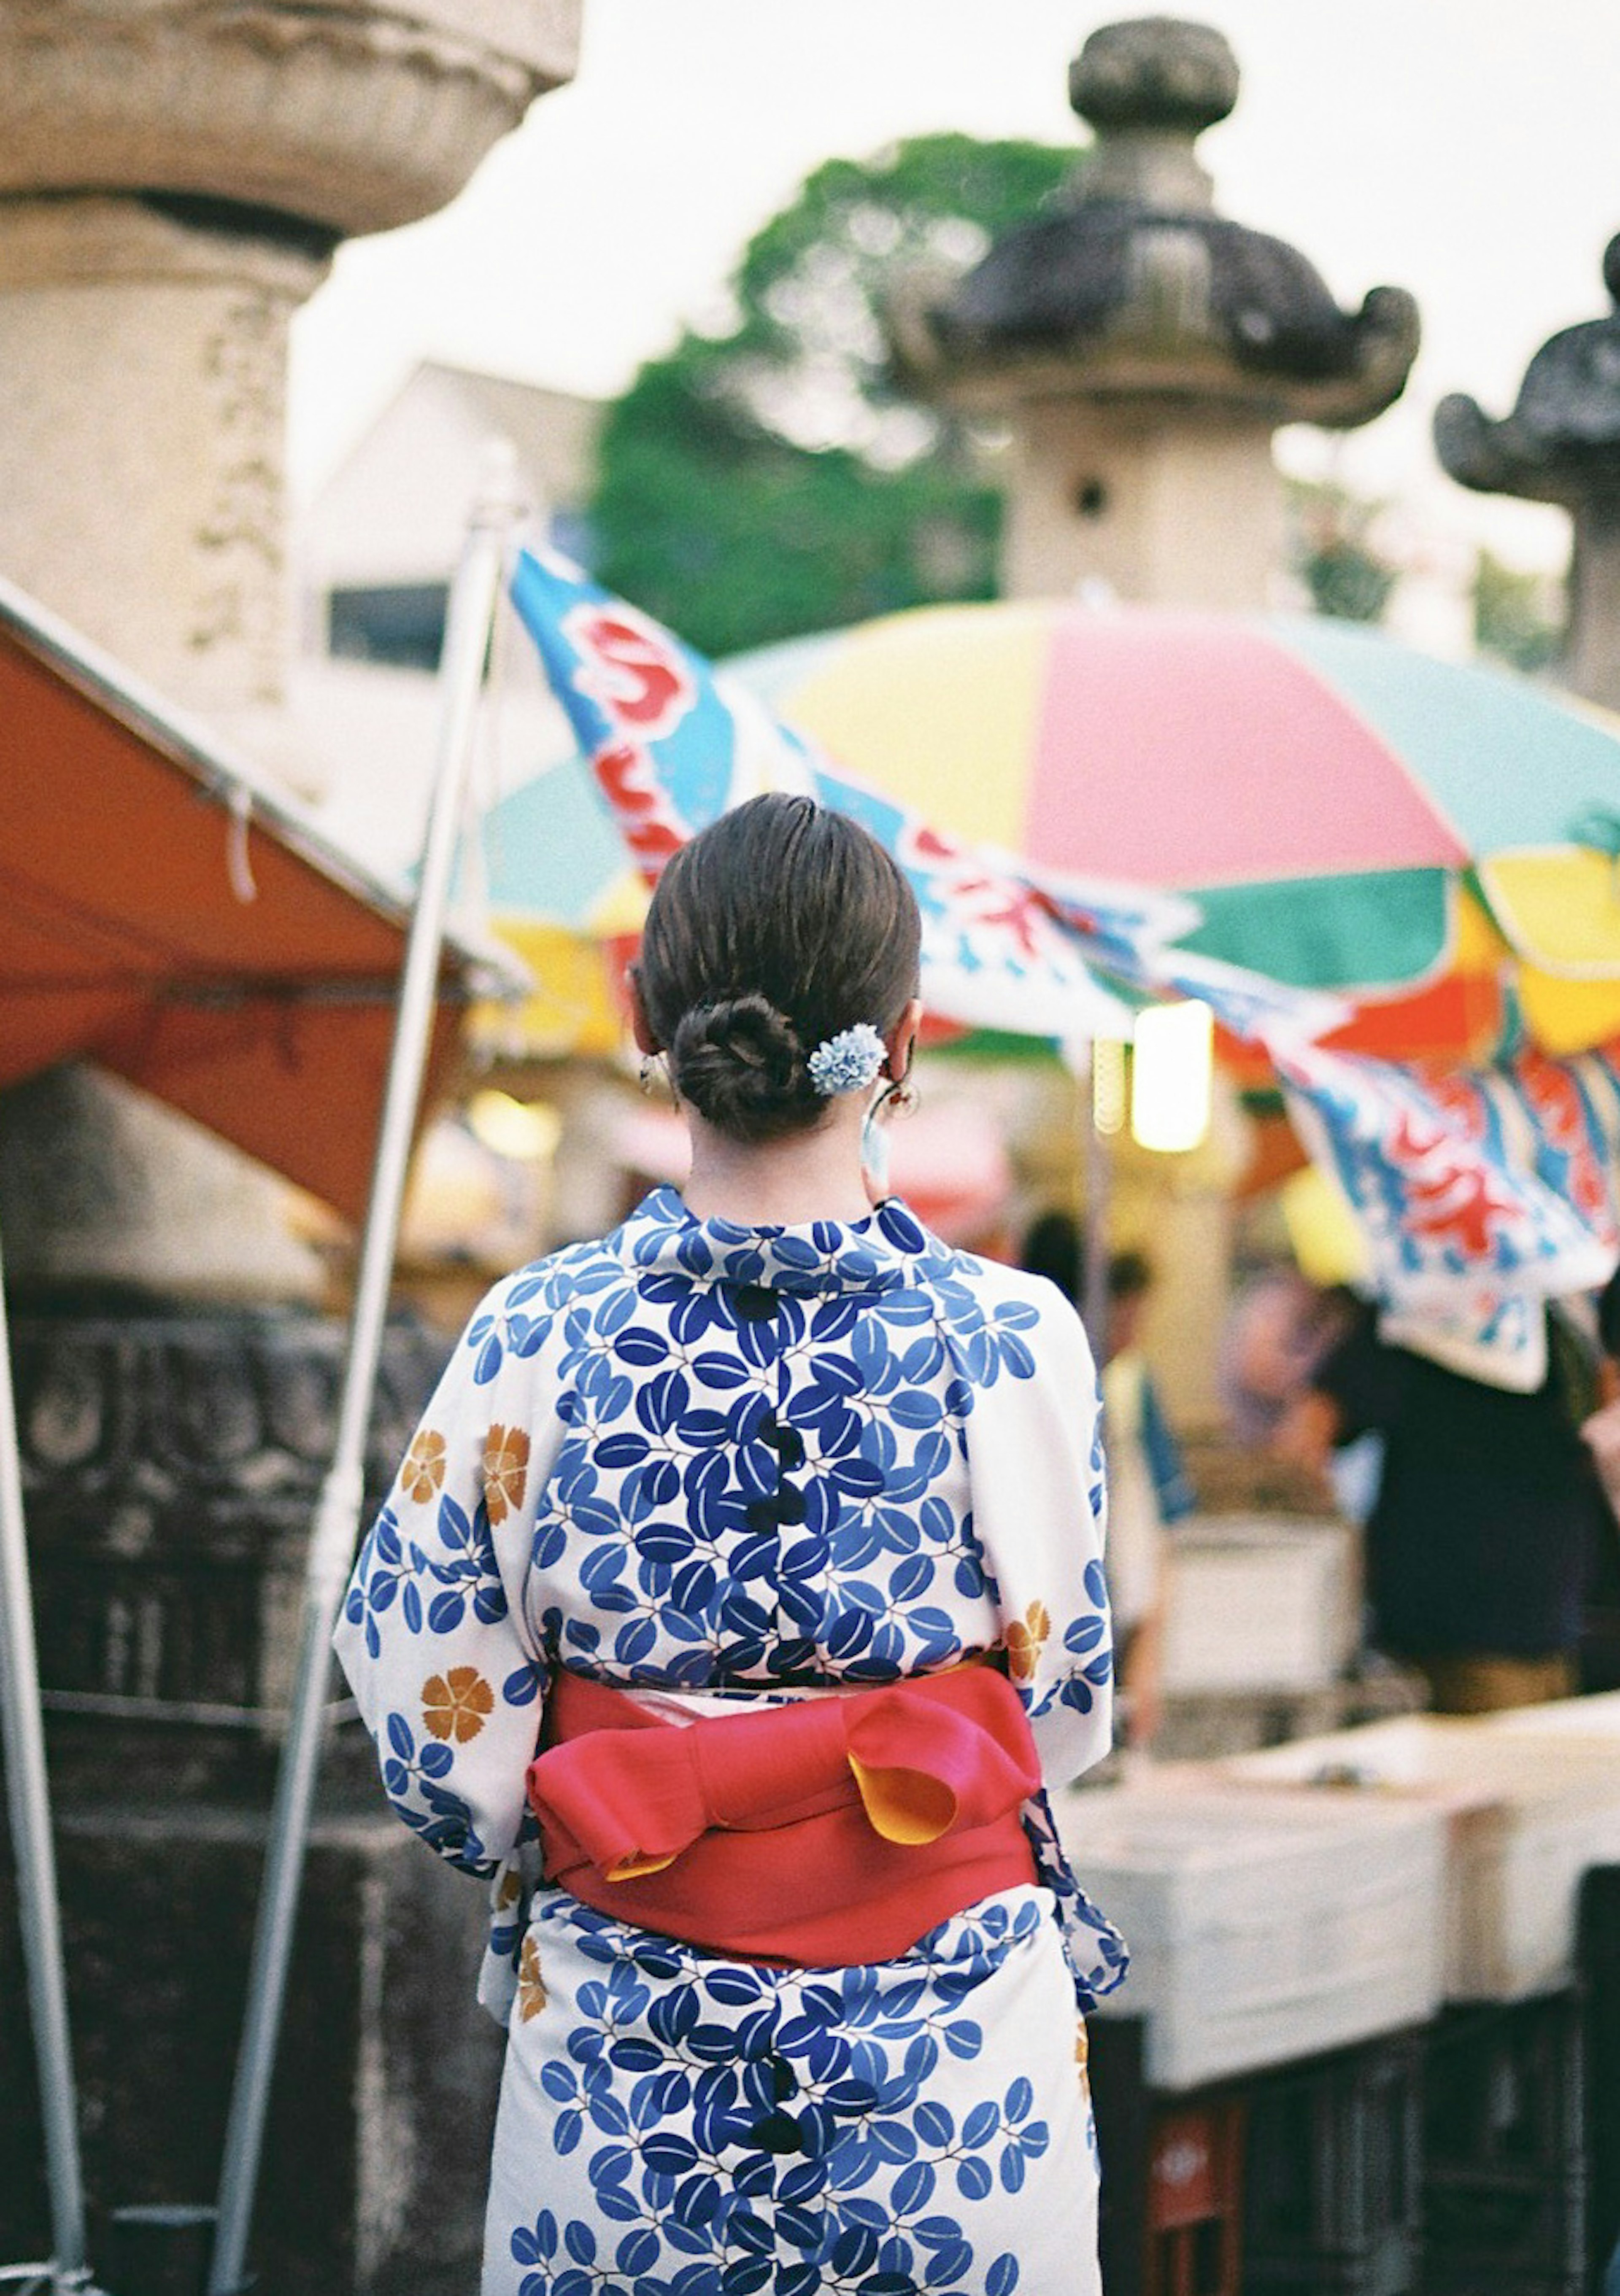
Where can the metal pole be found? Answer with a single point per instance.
(473, 600)
(1097, 1171)
(27, 1794)
(1099, 1188)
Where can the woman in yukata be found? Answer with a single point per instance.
(740, 1590)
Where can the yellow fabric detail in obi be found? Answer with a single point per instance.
(631, 1868)
(906, 1807)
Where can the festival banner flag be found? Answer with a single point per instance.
(673, 744)
(1481, 1194)
(1466, 1237)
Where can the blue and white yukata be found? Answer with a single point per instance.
(718, 1466)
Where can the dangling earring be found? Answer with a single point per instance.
(901, 1096)
(875, 1149)
(898, 1097)
(652, 1070)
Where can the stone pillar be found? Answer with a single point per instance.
(1175, 510)
(1592, 644)
(143, 349)
(173, 175)
(1142, 348)
(102, 1189)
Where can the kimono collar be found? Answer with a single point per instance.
(875, 1254)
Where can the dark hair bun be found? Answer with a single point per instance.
(738, 1061)
(778, 927)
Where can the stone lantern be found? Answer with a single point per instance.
(1143, 348)
(1561, 444)
(174, 175)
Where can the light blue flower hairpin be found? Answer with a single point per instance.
(847, 1061)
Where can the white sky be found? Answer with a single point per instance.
(1464, 149)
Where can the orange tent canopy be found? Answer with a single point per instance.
(166, 916)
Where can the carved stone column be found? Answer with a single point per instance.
(173, 175)
(144, 349)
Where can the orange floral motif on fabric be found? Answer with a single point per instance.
(506, 1471)
(531, 1995)
(423, 1473)
(1025, 1638)
(456, 1705)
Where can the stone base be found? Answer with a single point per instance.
(171, 1467)
(171, 1462)
(104, 1190)
(377, 2143)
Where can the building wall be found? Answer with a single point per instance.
(396, 509)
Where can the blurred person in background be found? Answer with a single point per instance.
(1279, 1328)
(1600, 1432)
(1147, 1484)
(1479, 1542)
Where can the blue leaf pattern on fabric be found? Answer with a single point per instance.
(781, 2117)
(762, 1459)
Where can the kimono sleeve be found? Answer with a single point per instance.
(448, 1676)
(1035, 1457)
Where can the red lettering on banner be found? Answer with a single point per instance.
(1461, 1098)
(1556, 1099)
(1454, 1198)
(631, 668)
(988, 902)
(641, 807)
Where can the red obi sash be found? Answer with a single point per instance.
(820, 1833)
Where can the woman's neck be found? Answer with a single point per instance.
(810, 1175)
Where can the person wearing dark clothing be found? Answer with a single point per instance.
(1488, 1513)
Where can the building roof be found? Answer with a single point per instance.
(172, 917)
(395, 510)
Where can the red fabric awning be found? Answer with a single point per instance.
(165, 916)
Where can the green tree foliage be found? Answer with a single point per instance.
(1333, 555)
(1518, 616)
(768, 479)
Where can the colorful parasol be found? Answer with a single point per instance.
(1440, 842)
(561, 891)
(1027, 942)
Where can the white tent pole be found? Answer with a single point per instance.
(29, 1796)
(1094, 1164)
(473, 599)
(1098, 1166)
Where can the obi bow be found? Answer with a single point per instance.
(933, 1757)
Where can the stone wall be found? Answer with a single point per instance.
(171, 1463)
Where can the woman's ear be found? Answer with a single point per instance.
(641, 1028)
(900, 1043)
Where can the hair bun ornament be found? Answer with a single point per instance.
(847, 1061)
